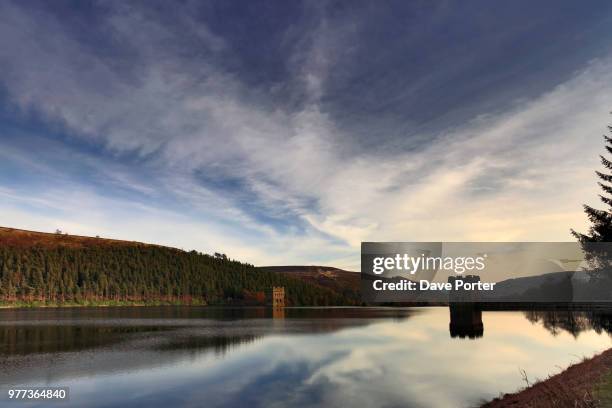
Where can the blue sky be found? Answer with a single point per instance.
(289, 132)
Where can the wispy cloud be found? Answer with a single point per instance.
(163, 141)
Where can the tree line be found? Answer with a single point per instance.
(143, 273)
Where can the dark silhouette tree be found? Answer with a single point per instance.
(600, 231)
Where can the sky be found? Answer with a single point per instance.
(289, 132)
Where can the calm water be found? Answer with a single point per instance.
(340, 357)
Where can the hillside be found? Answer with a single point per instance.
(13, 237)
(42, 268)
(343, 282)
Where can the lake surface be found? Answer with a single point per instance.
(371, 357)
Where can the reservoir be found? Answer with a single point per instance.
(302, 357)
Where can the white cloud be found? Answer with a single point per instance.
(518, 175)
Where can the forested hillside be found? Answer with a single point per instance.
(54, 268)
(346, 283)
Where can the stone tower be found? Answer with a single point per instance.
(276, 297)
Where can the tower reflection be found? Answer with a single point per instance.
(465, 321)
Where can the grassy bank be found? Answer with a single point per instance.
(586, 384)
(603, 391)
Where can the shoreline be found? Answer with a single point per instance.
(587, 383)
(95, 304)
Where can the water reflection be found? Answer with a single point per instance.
(278, 313)
(466, 321)
(31, 331)
(572, 321)
(119, 339)
(30, 339)
(195, 343)
(294, 357)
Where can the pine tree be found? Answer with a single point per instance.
(600, 231)
(601, 220)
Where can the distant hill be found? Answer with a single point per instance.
(39, 268)
(518, 287)
(564, 286)
(343, 282)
